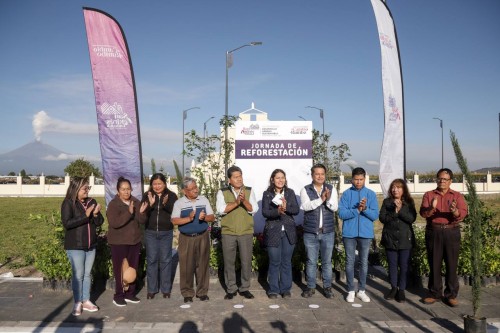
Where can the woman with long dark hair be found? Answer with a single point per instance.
(279, 206)
(125, 214)
(80, 216)
(158, 236)
(398, 214)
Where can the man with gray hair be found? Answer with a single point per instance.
(192, 213)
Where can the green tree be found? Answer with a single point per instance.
(212, 154)
(12, 173)
(332, 156)
(82, 168)
(153, 166)
(475, 231)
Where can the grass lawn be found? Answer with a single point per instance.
(20, 235)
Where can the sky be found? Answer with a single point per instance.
(320, 53)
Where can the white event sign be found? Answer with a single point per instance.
(263, 146)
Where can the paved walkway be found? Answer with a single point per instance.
(26, 307)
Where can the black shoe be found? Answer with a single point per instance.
(272, 296)
(150, 296)
(132, 299)
(246, 294)
(230, 295)
(308, 293)
(400, 296)
(119, 302)
(391, 294)
(166, 295)
(328, 293)
(286, 295)
(203, 298)
(188, 300)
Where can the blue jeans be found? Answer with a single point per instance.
(350, 245)
(280, 266)
(159, 260)
(81, 266)
(314, 244)
(398, 259)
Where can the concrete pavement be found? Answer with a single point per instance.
(26, 307)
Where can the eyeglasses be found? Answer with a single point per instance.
(86, 188)
(443, 179)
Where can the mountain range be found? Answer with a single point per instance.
(35, 158)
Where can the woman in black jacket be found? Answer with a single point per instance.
(80, 216)
(398, 214)
(158, 236)
(279, 205)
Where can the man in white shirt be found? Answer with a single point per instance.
(319, 202)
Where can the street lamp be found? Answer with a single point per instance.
(302, 118)
(442, 149)
(320, 115)
(229, 64)
(205, 134)
(205, 127)
(184, 116)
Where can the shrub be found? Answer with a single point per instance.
(51, 257)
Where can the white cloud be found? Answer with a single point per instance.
(43, 123)
(66, 86)
(351, 163)
(372, 162)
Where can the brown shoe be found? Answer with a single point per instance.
(429, 300)
(452, 302)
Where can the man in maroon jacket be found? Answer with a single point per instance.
(443, 208)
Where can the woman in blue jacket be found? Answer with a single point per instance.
(279, 206)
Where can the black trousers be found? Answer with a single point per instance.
(443, 244)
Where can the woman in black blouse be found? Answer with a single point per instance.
(398, 214)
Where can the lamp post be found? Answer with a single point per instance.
(302, 118)
(184, 116)
(442, 146)
(205, 134)
(205, 127)
(229, 64)
(320, 115)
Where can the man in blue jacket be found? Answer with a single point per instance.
(358, 208)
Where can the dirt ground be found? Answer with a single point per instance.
(27, 271)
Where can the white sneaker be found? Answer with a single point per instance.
(350, 297)
(89, 306)
(363, 296)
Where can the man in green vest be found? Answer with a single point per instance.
(237, 204)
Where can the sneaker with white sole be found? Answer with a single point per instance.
(132, 299)
(350, 297)
(363, 296)
(119, 302)
(77, 309)
(89, 306)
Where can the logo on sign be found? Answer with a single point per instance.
(298, 130)
(107, 51)
(116, 117)
(386, 40)
(395, 114)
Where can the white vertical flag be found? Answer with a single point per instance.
(392, 155)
